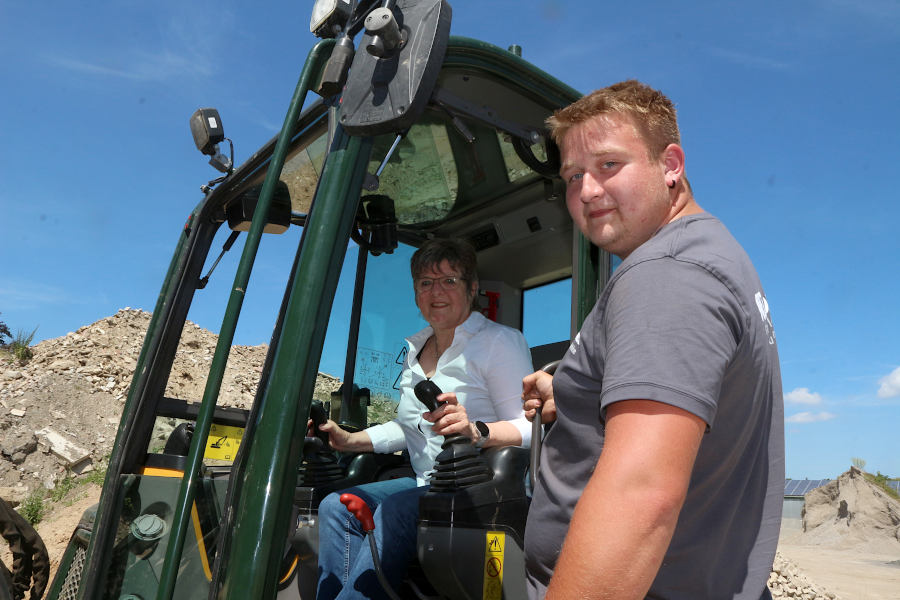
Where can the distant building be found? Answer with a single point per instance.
(794, 492)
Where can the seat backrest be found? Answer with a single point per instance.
(547, 353)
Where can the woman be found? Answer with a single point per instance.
(479, 365)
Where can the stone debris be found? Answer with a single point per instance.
(62, 447)
(61, 410)
(788, 581)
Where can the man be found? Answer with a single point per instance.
(674, 375)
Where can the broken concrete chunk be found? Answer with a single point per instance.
(63, 448)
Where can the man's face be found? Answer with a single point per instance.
(616, 194)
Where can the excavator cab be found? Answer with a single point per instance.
(397, 132)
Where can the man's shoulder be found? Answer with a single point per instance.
(700, 240)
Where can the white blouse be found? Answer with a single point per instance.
(484, 366)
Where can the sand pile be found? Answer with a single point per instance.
(852, 513)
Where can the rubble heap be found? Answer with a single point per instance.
(788, 582)
(59, 413)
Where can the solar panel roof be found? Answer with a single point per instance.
(799, 487)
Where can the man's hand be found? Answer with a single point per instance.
(537, 391)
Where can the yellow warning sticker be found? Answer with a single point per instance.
(495, 542)
(223, 442)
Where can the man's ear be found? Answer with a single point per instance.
(673, 159)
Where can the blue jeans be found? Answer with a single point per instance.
(346, 569)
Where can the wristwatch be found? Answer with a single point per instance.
(483, 434)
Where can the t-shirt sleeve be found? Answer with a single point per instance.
(671, 328)
(510, 362)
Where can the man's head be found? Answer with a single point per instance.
(650, 110)
(622, 164)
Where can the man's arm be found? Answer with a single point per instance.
(624, 521)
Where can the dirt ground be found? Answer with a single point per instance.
(849, 574)
(57, 527)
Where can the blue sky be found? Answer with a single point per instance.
(789, 120)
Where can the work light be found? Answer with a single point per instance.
(328, 17)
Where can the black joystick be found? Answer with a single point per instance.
(459, 464)
(427, 392)
(319, 417)
(320, 464)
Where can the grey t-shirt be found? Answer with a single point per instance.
(683, 321)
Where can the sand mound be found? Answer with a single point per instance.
(852, 513)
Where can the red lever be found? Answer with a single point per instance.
(360, 510)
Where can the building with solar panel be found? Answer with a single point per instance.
(794, 492)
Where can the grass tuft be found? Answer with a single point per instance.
(33, 508)
(20, 346)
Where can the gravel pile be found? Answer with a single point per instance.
(59, 413)
(788, 581)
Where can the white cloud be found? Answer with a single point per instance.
(141, 66)
(810, 417)
(746, 59)
(803, 396)
(25, 295)
(890, 384)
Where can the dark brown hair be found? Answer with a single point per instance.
(458, 253)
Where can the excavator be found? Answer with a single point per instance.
(397, 132)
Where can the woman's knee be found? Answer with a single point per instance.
(331, 510)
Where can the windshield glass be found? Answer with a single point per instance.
(389, 315)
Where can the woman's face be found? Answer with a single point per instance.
(444, 305)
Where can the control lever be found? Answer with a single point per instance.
(537, 431)
(359, 509)
(319, 417)
(427, 392)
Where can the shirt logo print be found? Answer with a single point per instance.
(576, 342)
(763, 305)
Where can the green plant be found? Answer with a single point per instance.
(4, 333)
(859, 463)
(381, 409)
(20, 346)
(33, 507)
(62, 488)
(882, 482)
(98, 474)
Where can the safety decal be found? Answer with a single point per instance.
(495, 542)
(223, 442)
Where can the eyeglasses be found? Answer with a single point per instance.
(427, 284)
